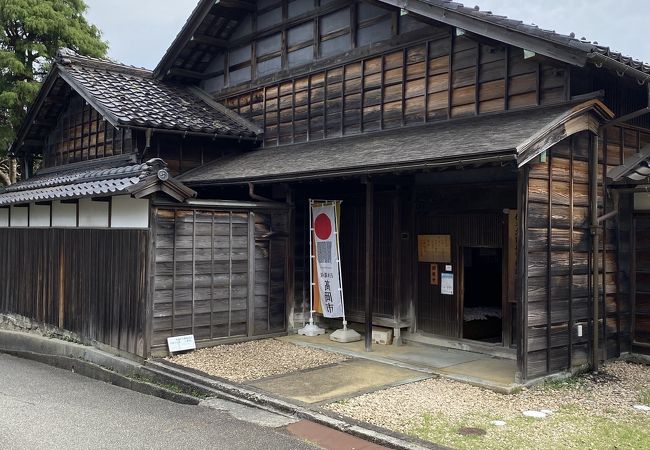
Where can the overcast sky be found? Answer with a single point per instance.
(139, 31)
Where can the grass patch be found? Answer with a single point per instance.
(572, 382)
(170, 386)
(644, 397)
(568, 428)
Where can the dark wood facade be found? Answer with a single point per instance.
(313, 71)
(435, 78)
(90, 282)
(219, 274)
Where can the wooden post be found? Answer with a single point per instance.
(370, 212)
(62, 283)
(594, 252)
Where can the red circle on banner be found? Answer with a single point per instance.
(323, 227)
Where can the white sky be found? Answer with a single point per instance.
(139, 31)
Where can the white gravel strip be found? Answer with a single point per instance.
(401, 408)
(255, 359)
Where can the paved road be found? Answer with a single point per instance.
(45, 407)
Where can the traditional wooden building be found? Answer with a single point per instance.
(512, 159)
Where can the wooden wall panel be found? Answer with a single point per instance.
(559, 255)
(219, 275)
(437, 79)
(90, 282)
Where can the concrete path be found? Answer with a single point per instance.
(338, 381)
(482, 370)
(45, 407)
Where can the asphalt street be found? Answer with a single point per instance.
(45, 407)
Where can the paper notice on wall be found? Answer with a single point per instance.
(181, 343)
(327, 260)
(447, 283)
(434, 248)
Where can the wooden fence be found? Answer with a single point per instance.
(90, 282)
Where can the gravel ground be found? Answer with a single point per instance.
(255, 359)
(436, 408)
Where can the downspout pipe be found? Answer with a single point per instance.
(256, 197)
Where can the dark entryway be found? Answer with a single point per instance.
(482, 294)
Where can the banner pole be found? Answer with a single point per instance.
(337, 208)
(343, 335)
(311, 329)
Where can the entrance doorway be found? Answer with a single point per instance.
(482, 294)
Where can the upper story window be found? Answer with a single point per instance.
(284, 34)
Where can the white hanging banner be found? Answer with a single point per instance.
(325, 235)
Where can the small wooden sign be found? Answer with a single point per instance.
(434, 274)
(434, 248)
(181, 343)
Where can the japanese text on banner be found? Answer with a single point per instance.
(327, 258)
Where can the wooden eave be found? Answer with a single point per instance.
(33, 111)
(589, 116)
(490, 30)
(199, 14)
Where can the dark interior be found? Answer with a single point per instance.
(482, 310)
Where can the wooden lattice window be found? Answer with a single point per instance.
(82, 134)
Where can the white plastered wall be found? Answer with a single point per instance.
(19, 216)
(4, 217)
(642, 201)
(129, 212)
(64, 215)
(39, 215)
(93, 214)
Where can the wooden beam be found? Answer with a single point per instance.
(242, 5)
(369, 297)
(186, 74)
(32, 143)
(209, 40)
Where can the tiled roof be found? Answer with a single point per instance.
(581, 44)
(130, 96)
(489, 137)
(102, 179)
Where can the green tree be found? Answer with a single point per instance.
(31, 32)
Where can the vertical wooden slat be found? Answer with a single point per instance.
(212, 277)
(193, 267)
(174, 237)
(571, 249)
(549, 257)
(522, 271)
(427, 51)
(251, 274)
(61, 284)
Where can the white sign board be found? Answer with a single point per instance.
(181, 343)
(447, 283)
(327, 260)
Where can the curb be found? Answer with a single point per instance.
(99, 373)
